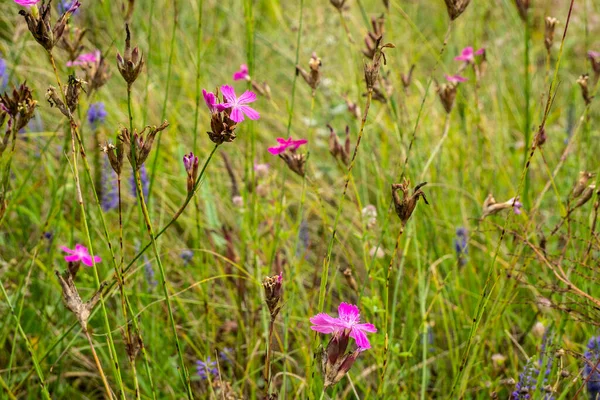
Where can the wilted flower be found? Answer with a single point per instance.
(549, 32)
(19, 106)
(141, 142)
(313, 78)
(287, 152)
(238, 104)
(222, 126)
(591, 368)
(96, 114)
(72, 92)
(456, 7)
(581, 183)
(190, 162)
(273, 286)
(406, 204)
(447, 92)
(377, 23)
(80, 253)
(585, 92)
(38, 22)
(64, 5)
(72, 41)
(335, 147)
(372, 70)
(115, 155)
(85, 59)
(131, 63)
(490, 206)
(594, 57)
(468, 55)
(242, 74)
(72, 299)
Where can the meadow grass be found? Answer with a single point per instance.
(460, 314)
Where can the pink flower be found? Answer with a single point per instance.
(284, 144)
(242, 74)
(468, 55)
(455, 78)
(27, 3)
(210, 99)
(237, 104)
(80, 253)
(593, 55)
(516, 206)
(348, 322)
(85, 59)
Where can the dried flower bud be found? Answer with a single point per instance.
(586, 195)
(383, 88)
(372, 36)
(262, 88)
(456, 7)
(294, 161)
(353, 108)
(273, 286)
(541, 136)
(581, 184)
(538, 330)
(335, 362)
(190, 162)
(133, 343)
(350, 279)
(222, 127)
(18, 105)
(73, 301)
(406, 204)
(523, 8)
(96, 74)
(313, 78)
(131, 63)
(372, 70)
(55, 101)
(339, 4)
(549, 33)
(585, 93)
(490, 206)
(115, 155)
(72, 42)
(73, 91)
(336, 149)
(447, 93)
(40, 26)
(407, 78)
(594, 57)
(141, 143)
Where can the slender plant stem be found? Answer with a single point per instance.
(184, 371)
(527, 119)
(98, 365)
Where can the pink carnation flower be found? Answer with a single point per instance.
(348, 322)
(27, 3)
(468, 55)
(238, 104)
(242, 74)
(85, 59)
(284, 144)
(80, 253)
(455, 78)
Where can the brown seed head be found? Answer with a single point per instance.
(456, 7)
(131, 63)
(141, 143)
(406, 204)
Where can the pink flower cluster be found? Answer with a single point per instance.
(85, 59)
(80, 253)
(468, 55)
(238, 105)
(242, 74)
(348, 322)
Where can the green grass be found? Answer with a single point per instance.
(446, 323)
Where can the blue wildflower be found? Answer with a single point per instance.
(110, 192)
(591, 368)
(225, 355)
(460, 245)
(65, 5)
(206, 368)
(526, 386)
(96, 114)
(186, 255)
(145, 183)
(3, 75)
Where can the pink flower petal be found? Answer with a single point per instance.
(348, 312)
(250, 112)
(284, 141)
(72, 258)
(366, 327)
(229, 94)
(247, 97)
(87, 260)
(324, 323)
(276, 150)
(361, 338)
(236, 114)
(67, 250)
(298, 143)
(480, 52)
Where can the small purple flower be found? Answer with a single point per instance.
(348, 321)
(516, 206)
(526, 386)
(242, 74)
(594, 55)
(591, 368)
(186, 255)
(284, 144)
(110, 191)
(80, 253)
(460, 245)
(211, 100)
(206, 368)
(225, 355)
(189, 161)
(27, 3)
(96, 114)
(456, 78)
(468, 55)
(145, 183)
(64, 6)
(238, 104)
(3, 74)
